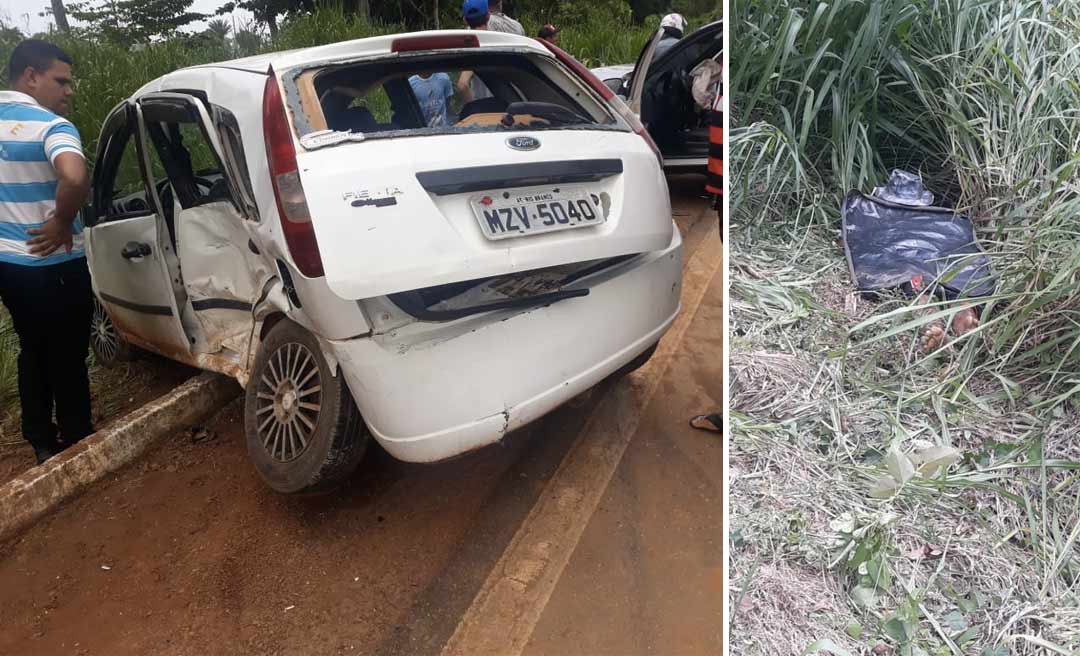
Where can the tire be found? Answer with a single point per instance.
(302, 440)
(110, 349)
(636, 363)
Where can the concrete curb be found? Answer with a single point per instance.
(38, 491)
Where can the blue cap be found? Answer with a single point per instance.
(474, 8)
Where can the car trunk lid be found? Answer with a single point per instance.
(397, 214)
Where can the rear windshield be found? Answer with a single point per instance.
(481, 91)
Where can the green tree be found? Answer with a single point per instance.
(248, 40)
(9, 38)
(128, 22)
(268, 11)
(218, 29)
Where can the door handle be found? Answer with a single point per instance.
(135, 249)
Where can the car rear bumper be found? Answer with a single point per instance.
(430, 392)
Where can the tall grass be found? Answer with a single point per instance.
(981, 96)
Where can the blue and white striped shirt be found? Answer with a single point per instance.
(31, 138)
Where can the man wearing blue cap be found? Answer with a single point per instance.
(476, 16)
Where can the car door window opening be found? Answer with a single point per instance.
(185, 165)
(120, 190)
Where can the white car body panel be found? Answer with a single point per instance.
(427, 239)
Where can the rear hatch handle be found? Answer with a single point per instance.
(503, 176)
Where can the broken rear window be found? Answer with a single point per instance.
(477, 91)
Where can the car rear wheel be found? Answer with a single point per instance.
(304, 432)
(110, 349)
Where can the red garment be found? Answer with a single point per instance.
(714, 181)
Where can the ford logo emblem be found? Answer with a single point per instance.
(523, 143)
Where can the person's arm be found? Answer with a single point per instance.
(64, 150)
(73, 188)
(463, 86)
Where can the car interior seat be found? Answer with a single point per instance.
(358, 119)
(489, 105)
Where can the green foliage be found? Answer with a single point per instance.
(327, 24)
(127, 22)
(600, 12)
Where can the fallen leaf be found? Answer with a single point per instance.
(884, 487)
(935, 459)
(899, 465)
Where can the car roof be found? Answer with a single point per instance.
(366, 47)
(204, 75)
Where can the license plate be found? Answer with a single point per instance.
(519, 213)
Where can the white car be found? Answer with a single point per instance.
(658, 90)
(292, 220)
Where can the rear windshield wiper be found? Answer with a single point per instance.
(323, 138)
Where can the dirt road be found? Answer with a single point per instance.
(187, 552)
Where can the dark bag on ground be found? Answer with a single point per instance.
(912, 247)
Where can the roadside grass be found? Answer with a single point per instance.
(982, 556)
(882, 498)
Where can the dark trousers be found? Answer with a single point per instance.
(51, 308)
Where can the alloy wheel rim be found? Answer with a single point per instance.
(288, 402)
(104, 335)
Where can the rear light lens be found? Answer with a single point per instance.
(607, 94)
(288, 190)
(437, 42)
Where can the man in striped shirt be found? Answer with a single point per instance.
(44, 281)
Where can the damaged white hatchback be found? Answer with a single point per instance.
(369, 263)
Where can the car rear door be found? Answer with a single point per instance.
(640, 73)
(127, 245)
(211, 217)
(660, 94)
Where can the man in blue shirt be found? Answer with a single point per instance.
(433, 92)
(44, 281)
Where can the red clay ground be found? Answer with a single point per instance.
(116, 392)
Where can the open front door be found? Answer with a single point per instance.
(126, 242)
(660, 94)
(209, 214)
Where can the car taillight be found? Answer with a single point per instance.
(436, 42)
(288, 190)
(607, 94)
